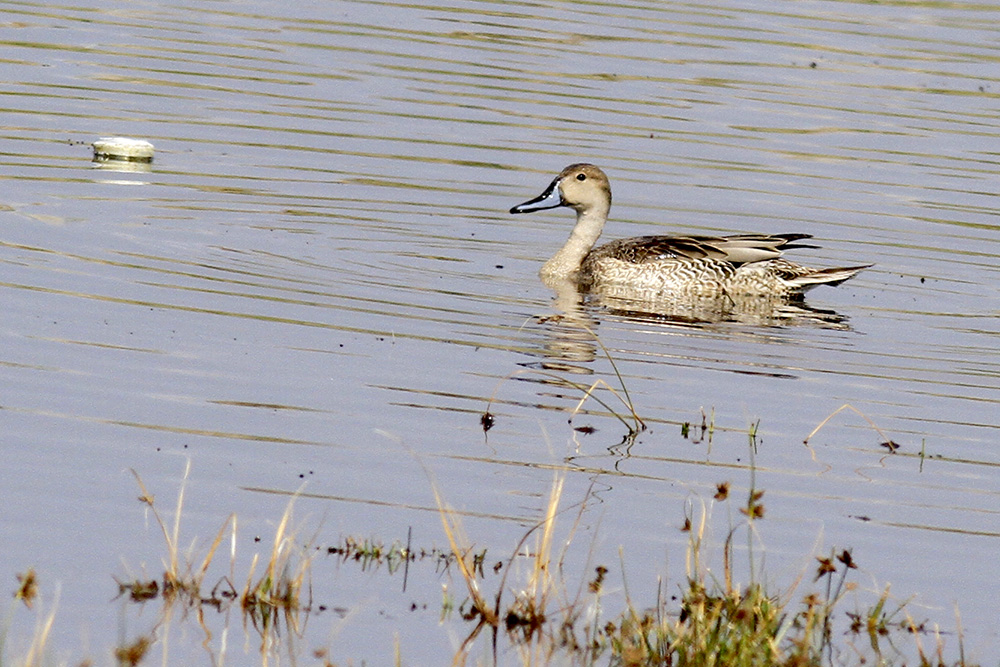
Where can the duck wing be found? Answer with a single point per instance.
(738, 249)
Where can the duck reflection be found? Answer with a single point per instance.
(579, 310)
(768, 310)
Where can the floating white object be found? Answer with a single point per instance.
(123, 148)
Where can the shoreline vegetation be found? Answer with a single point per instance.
(525, 609)
(533, 618)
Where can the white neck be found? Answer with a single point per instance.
(566, 262)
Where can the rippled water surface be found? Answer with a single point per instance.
(316, 285)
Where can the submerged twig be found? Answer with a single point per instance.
(488, 418)
(856, 411)
(628, 399)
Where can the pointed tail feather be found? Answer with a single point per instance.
(830, 277)
(791, 241)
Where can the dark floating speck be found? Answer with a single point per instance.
(890, 445)
(487, 421)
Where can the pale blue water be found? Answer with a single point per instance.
(317, 281)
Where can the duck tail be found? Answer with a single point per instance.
(831, 277)
(791, 241)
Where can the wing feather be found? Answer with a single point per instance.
(739, 249)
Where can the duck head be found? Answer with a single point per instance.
(582, 187)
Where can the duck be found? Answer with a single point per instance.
(743, 264)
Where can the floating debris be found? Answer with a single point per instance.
(487, 421)
(27, 588)
(122, 148)
(890, 445)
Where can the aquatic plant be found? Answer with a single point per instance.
(712, 622)
(536, 612)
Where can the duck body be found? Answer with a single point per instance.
(704, 265)
(744, 264)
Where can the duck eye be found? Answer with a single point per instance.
(581, 177)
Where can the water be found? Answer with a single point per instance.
(317, 283)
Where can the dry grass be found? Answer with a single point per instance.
(37, 652)
(181, 576)
(713, 623)
(269, 602)
(525, 617)
(535, 615)
(279, 591)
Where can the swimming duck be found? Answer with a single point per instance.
(743, 264)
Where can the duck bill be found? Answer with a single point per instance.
(551, 198)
